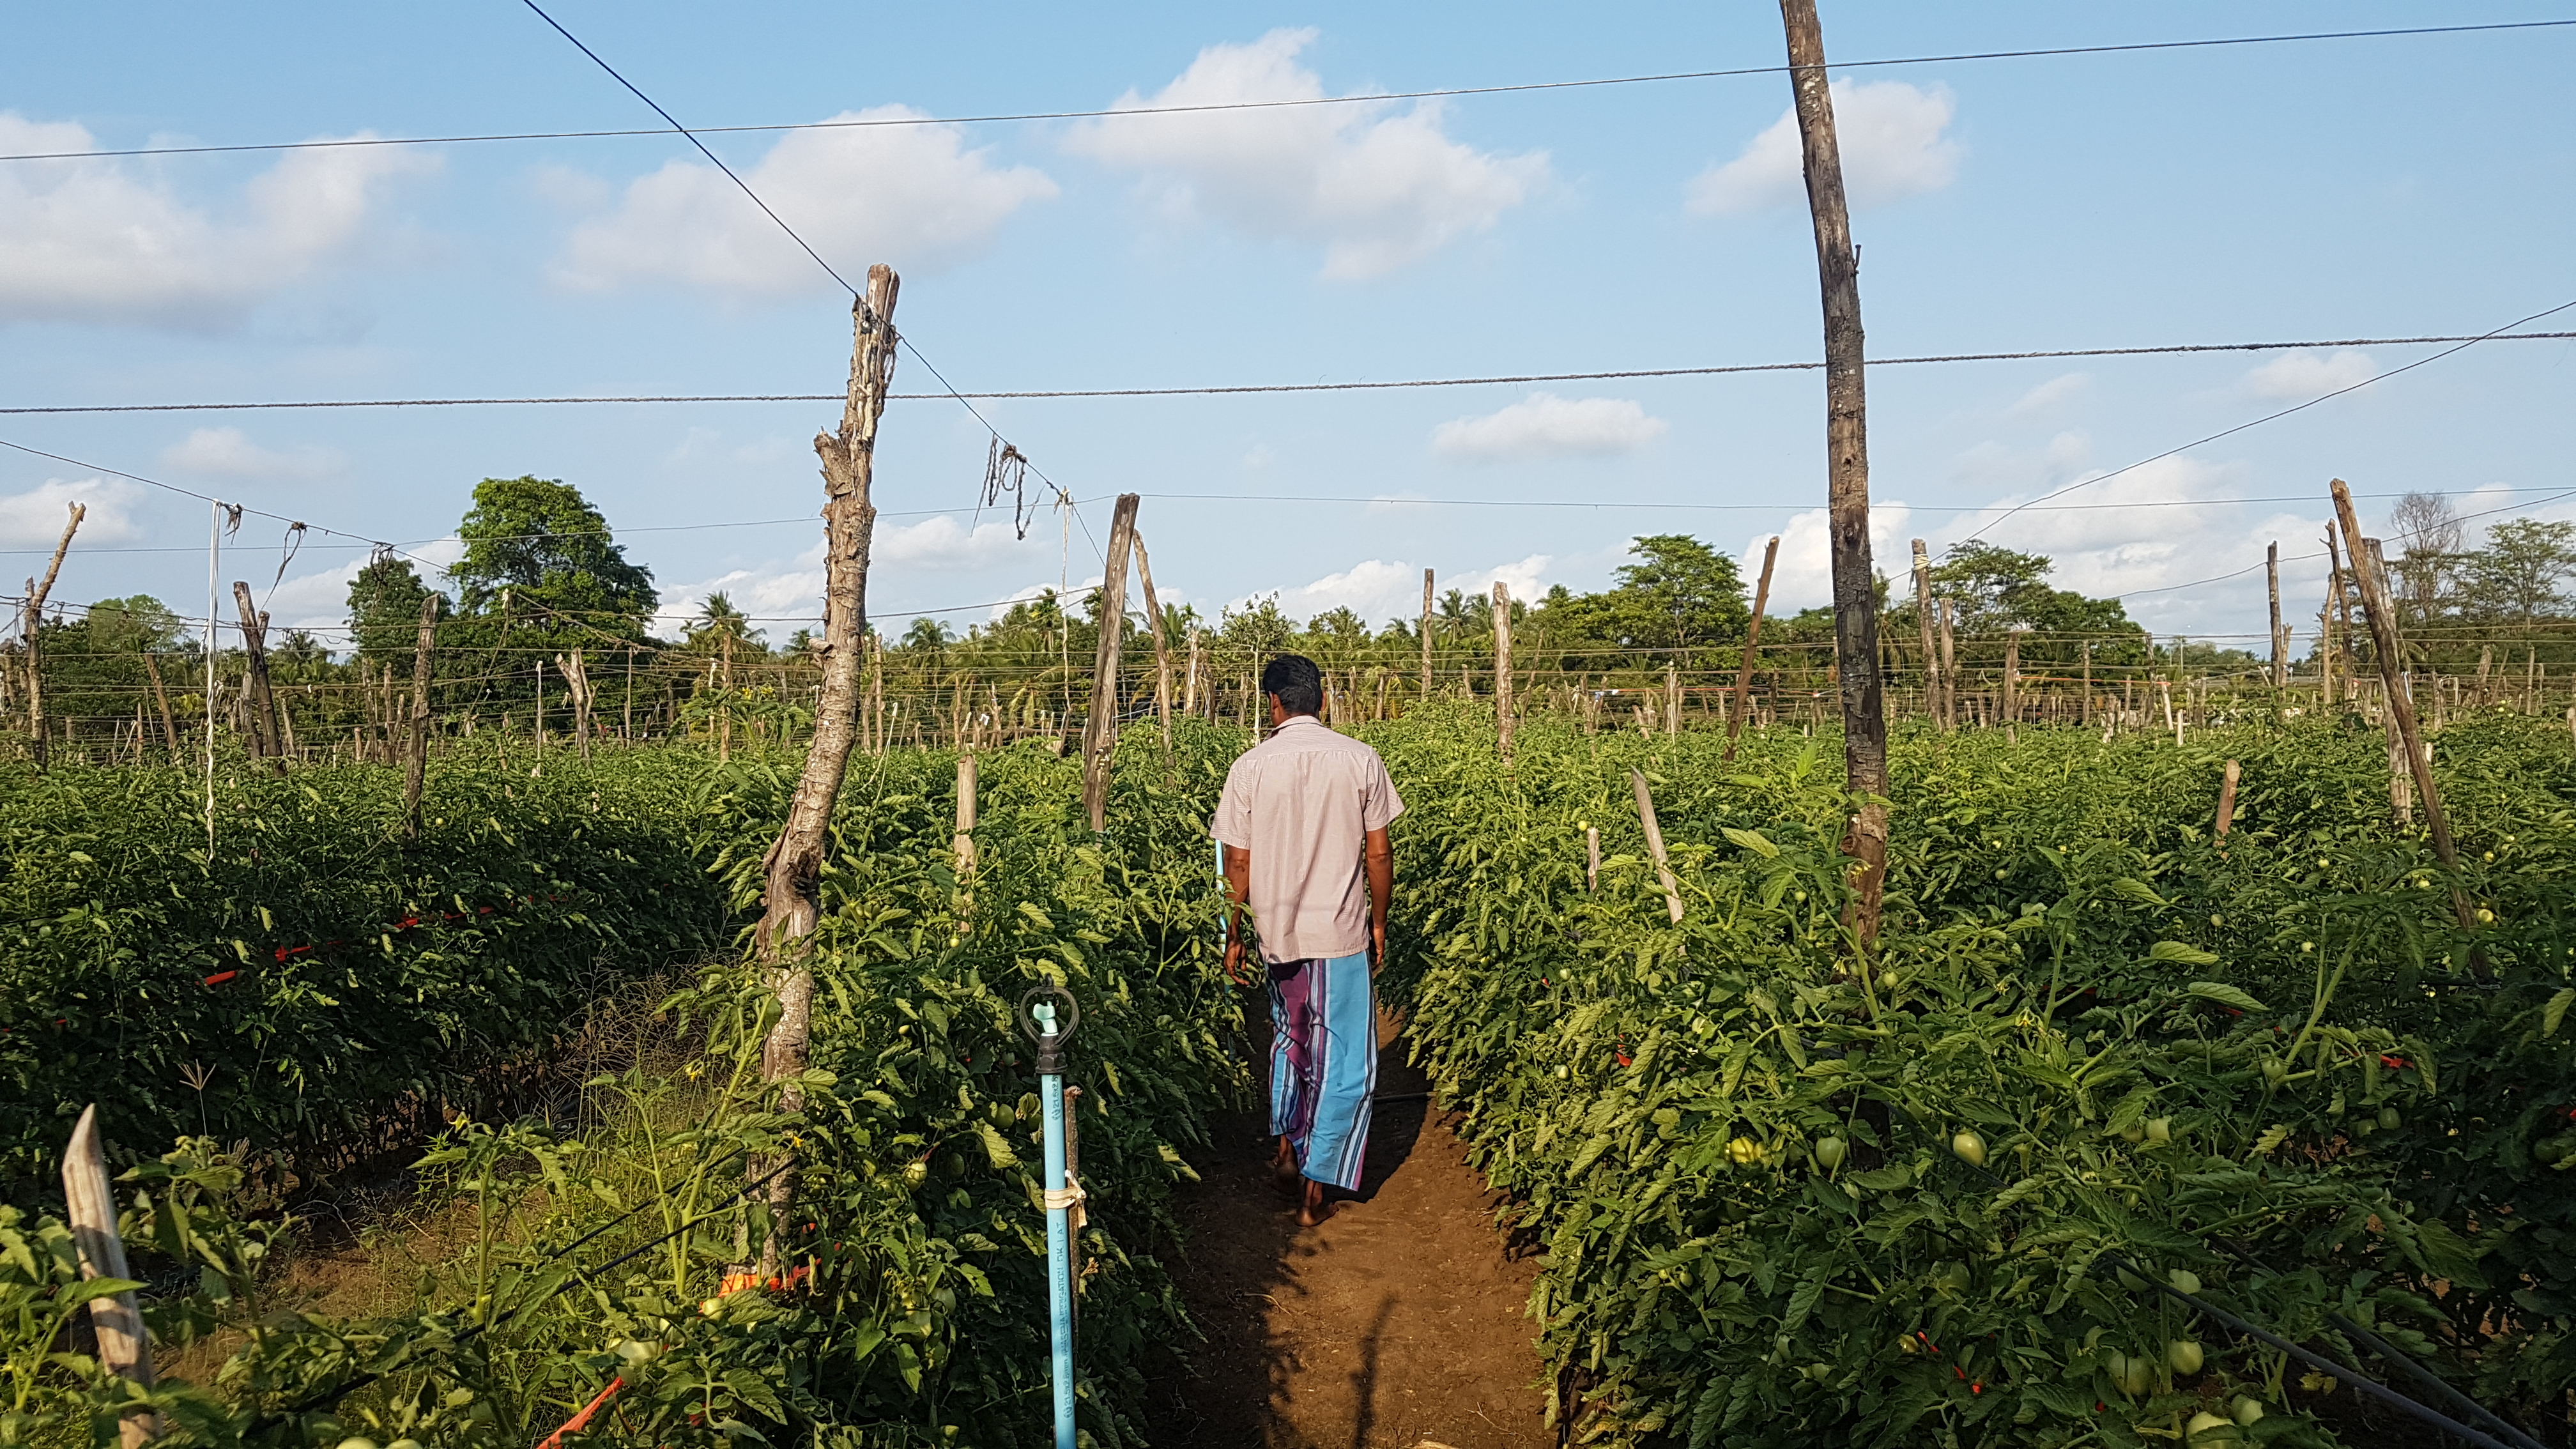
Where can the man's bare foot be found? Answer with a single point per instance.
(1311, 1208)
(1283, 1169)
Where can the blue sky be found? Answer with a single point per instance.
(2360, 188)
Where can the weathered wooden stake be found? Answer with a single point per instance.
(2401, 710)
(1949, 673)
(1847, 465)
(964, 840)
(1426, 633)
(124, 1346)
(1923, 621)
(416, 758)
(263, 732)
(1752, 641)
(1190, 690)
(1503, 668)
(2012, 686)
(1592, 857)
(161, 700)
(34, 620)
(1672, 699)
(2280, 648)
(1162, 646)
(1100, 726)
(790, 896)
(2227, 798)
(1655, 845)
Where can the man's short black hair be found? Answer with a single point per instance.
(1297, 682)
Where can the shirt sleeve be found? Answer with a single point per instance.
(1379, 804)
(1233, 822)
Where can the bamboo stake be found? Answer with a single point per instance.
(1100, 725)
(124, 1346)
(1503, 668)
(1752, 640)
(2401, 710)
(1655, 846)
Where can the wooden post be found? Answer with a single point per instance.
(1503, 668)
(1949, 673)
(416, 758)
(1672, 699)
(964, 839)
(790, 895)
(265, 739)
(2227, 798)
(627, 731)
(1426, 633)
(1923, 620)
(1847, 466)
(1655, 845)
(161, 699)
(35, 619)
(1162, 646)
(2012, 686)
(124, 1347)
(2280, 649)
(2084, 711)
(1752, 640)
(2486, 667)
(1190, 690)
(1100, 726)
(1592, 857)
(2401, 710)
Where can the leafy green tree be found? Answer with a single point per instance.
(542, 543)
(2522, 573)
(133, 625)
(1680, 596)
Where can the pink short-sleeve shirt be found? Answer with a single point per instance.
(1303, 802)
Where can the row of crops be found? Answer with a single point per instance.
(583, 1257)
(1788, 1202)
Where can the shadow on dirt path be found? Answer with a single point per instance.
(1399, 1320)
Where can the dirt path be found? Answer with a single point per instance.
(1396, 1322)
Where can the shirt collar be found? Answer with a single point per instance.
(1298, 719)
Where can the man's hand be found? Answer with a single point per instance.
(1377, 955)
(1234, 960)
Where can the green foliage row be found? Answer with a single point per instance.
(1787, 1199)
(317, 970)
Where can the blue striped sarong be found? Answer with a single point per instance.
(1323, 1063)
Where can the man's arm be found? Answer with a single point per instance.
(1238, 889)
(1381, 882)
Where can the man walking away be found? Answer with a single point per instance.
(1304, 819)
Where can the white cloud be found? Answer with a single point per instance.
(914, 196)
(1803, 576)
(104, 241)
(2300, 376)
(1892, 143)
(2050, 397)
(1379, 185)
(35, 518)
(1544, 425)
(229, 453)
(319, 602)
(1379, 589)
(948, 544)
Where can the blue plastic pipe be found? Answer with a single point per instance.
(1059, 1231)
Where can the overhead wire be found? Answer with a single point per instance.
(1235, 389)
(1202, 107)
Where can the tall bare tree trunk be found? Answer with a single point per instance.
(791, 896)
(1100, 725)
(1847, 463)
(35, 619)
(416, 755)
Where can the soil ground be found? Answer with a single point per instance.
(1398, 1321)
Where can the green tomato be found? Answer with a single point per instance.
(2201, 1423)
(2389, 1121)
(2183, 1355)
(1970, 1147)
(2247, 1411)
(1830, 1152)
(2160, 1129)
(2184, 1280)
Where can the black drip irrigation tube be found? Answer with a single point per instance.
(2119, 1262)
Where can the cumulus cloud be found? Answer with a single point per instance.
(2300, 376)
(100, 240)
(2050, 397)
(945, 542)
(1894, 144)
(319, 602)
(229, 453)
(1380, 589)
(35, 518)
(915, 196)
(1544, 425)
(1803, 576)
(1379, 184)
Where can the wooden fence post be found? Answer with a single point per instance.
(1655, 845)
(35, 619)
(1503, 668)
(416, 758)
(124, 1347)
(1847, 470)
(2227, 798)
(2012, 686)
(1162, 646)
(1949, 673)
(1592, 857)
(1923, 622)
(2280, 647)
(265, 739)
(1100, 725)
(2368, 572)
(964, 840)
(1190, 690)
(1426, 633)
(1752, 641)
(161, 699)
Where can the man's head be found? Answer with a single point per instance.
(1295, 681)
